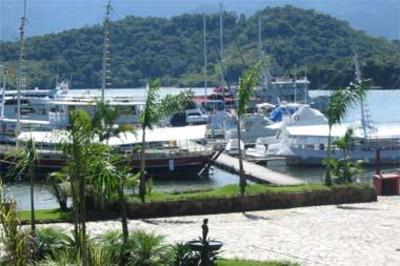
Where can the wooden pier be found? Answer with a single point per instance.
(255, 172)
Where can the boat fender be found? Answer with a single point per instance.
(296, 117)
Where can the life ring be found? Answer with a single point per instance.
(296, 117)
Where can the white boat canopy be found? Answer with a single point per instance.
(381, 131)
(155, 135)
(25, 121)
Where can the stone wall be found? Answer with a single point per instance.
(338, 195)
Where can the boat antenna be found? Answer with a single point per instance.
(106, 58)
(20, 82)
(305, 85)
(295, 84)
(221, 47)
(358, 81)
(3, 92)
(205, 55)
(260, 46)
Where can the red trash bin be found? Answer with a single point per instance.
(387, 184)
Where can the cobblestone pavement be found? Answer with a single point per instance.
(351, 234)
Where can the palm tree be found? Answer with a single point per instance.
(77, 147)
(155, 110)
(339, 103)
(25, 162)
(247, 84)
(344, 142)
(55, 186)
(104, 122)
(108, 175)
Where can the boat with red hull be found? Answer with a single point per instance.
(170, 151)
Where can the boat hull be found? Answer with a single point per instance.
(182, 167)
(389, 156)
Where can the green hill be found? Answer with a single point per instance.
(171, 49)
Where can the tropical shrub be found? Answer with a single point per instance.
(49, 241)
(16, 242)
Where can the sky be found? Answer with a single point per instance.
(377, 17)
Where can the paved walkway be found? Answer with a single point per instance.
(352, 234)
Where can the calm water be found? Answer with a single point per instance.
(383, 107)
(44, 200)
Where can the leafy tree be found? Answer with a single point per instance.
(25, 161)
(340, 101)
(155, 110)
(56, 185)
(247, 84)
(14, 239)
(77, 147)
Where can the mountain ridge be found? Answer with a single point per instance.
(297, 40)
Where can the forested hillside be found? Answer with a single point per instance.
(296, 40)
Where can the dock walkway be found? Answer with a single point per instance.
(255, 172)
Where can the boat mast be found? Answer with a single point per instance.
(20, 83)
(205, 55)
(295, 84)
(221, 48)
(3, 93)
(305, 85)
(260, 48)
(105, 50)
(358, 81)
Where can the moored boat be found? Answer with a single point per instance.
(169, 151)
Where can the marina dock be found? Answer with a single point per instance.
(255, 172)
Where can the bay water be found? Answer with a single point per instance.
(382, 107)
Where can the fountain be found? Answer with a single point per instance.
(204, 246)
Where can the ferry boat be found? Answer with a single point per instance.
(56, 105)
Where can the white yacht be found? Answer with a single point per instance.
(303, 115)
(307, 144)
(265, 124)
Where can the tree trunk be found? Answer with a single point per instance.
(32, 185)
(75, 202)
(242, 177)
(328, 179)
(124, 220)
(142, 181)
(82, 200)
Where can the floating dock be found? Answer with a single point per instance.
(254, 171)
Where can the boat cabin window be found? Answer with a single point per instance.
(26, 110)
(15, 101)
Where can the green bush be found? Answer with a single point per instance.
(49, 241)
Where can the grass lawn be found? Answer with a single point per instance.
(253, 263)
(232, 191)
(49, 214)
(222, 192)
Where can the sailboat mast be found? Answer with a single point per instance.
(3, 93)
(260, 48)
(221, 39)
(295, 84)
(221, 48)
(19, 77)
(205, 54)
(305, 86)
(105, 50)
(358, 81)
